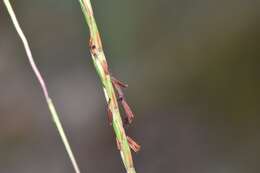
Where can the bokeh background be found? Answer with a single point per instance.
(193, 72)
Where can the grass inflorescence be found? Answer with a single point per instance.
(110, 85)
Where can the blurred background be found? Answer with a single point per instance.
(193, 73)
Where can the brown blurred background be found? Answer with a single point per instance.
(193, 73)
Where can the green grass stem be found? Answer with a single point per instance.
(101, 66)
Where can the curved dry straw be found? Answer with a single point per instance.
(52, 109)
(124, 142)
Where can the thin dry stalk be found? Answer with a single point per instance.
(51, 106)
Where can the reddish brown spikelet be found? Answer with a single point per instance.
(134, 146)
(118, 144)
(92, 47)
(119, 91)
(128, 111)
(105, 67)
(118, 82)
(109, 114)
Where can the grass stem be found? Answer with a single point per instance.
(102, 69)
(51, 106)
